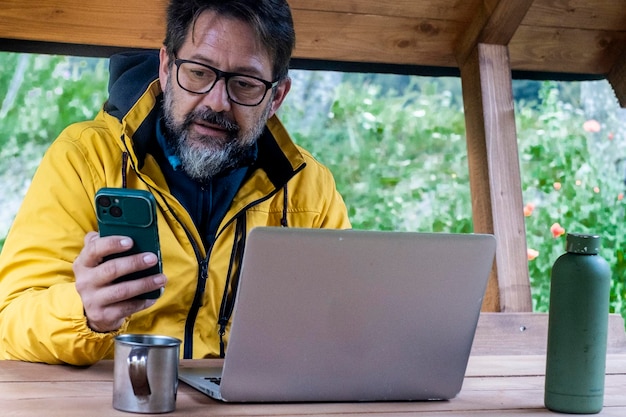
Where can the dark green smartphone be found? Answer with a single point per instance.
(132, 213)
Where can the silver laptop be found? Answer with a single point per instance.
(348, 315)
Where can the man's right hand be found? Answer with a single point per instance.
(107, 304)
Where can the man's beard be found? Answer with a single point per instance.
(203, 157)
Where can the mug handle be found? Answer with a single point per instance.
(137, 364)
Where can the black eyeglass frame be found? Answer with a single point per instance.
(226, 76)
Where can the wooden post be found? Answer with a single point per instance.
(617, 78)
(494, 174)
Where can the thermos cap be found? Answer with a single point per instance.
(585, 244)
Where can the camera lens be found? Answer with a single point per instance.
(104, 201)
(115, 211)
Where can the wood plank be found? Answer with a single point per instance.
(481, 366)
(565, 50)
(453, 10)
(478, 395)
(358, 38)
(504, 19)
(405, 33)
(494, 174)
(41, 372)
(527, 334)
(494, 386)
(483, 396)
(529, 392)
(320, 35)
(493, 25)
(617, 78)
(90, 23)
(578, 14)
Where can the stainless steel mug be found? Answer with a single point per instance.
(145, 373)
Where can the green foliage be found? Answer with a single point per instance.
(569, 178)
(40, 95)
(45, 93)
(398, 164)
(396, 146)
(399, 159)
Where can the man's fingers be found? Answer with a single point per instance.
(107, 303)
(112, 317)
(119, 267)
(96, 248)
(126, 290)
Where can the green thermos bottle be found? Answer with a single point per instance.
(577, 328)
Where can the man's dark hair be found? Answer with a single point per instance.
(270, 20)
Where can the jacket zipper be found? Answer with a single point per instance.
(203, 273)
(203, 269)
(228, 302)
(203, 266)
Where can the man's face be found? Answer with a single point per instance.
(209, 132)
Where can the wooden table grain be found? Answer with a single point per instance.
(495, 385)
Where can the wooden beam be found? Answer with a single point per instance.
(483, 57)
(429, 34)
(494, 174)
(320, 34)
(495, 22)
(453, 10)
(536, 48)
(374, 38)
(578, 14)
(617, 78)
(129, 23)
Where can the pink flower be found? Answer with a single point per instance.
(591, 126)
(528, 209)
(620, 196)
(596, 189)
(531, 253)
(557, 186)
(557, 230)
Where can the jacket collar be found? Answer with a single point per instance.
(135, 100)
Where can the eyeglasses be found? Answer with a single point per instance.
(197, 78)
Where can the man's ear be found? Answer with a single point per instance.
(164, 68)
(280, 93)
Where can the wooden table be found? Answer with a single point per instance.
(494, 386)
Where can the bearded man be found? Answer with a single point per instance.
(196, 126)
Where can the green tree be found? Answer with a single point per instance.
(395, 144)
(41, 95)
(399, 158)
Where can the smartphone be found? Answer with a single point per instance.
(132, 213)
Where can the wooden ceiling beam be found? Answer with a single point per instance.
(583, 51)
(578, 39)
(495, 22)
(453, 10)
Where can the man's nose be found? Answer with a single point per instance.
(217, 99)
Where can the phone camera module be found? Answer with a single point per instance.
(104, 201)
(115, 211)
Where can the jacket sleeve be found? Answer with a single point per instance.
(320, 182)
(335, 211)
(41, 313)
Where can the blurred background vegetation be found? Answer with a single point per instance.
(396, 145)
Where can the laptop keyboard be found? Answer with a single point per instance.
(215, 380)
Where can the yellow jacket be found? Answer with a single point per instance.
(41, 313)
